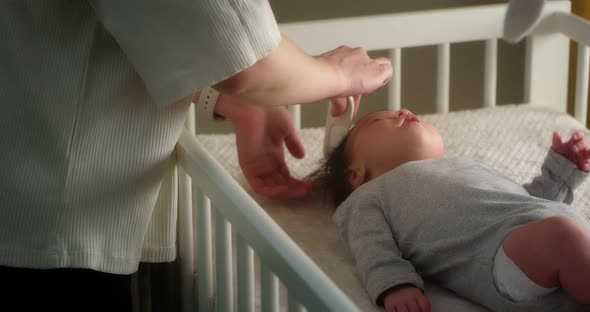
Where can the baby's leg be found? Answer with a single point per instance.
(553, 252)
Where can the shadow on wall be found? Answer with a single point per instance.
(418, 64)
(293, 11)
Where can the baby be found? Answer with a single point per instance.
(406, 213)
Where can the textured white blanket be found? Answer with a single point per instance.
(512, 139)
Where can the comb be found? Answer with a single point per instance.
(337, 127)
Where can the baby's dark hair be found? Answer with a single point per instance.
(332, 176)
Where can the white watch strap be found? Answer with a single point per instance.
(206, 103)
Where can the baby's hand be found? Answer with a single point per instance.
(406, 298)
(574, 150)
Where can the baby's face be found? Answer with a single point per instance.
(384, 140)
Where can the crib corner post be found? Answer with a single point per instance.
(546, 71)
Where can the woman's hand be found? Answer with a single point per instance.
(406, 299)
(289, 76)
(574, 150)
(262, 133)
(358, 72)
(261, 141)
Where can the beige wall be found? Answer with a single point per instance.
(418, 64)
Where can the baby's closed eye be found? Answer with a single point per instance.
(375, 120)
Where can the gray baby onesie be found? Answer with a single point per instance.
(445, 219)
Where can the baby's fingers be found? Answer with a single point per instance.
(423, 303)
(413, 306)
(584, 160)
(577, 137)
(558, 145)
(579, 146)
(402, 308)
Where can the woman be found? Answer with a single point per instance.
(93, 96)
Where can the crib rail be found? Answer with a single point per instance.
(546, 58)
(280, 257)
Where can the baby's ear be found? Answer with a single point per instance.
(356, 175)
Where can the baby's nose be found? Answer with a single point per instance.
(402, 112)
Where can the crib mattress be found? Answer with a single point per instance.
(512, 139)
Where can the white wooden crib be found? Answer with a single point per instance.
(219, 253)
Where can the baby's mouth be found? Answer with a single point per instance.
(409, 118)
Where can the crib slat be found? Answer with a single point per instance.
(269, 290)
(490, 73)
(294, 305)
(202, 208)
(443, 77)
(582, 83)
(395, 86)
(186, 241)
(295, 111)
(191, 120)
(186, 234)
(186, 237)
(245, 259)
(223, 262)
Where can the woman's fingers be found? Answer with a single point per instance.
(283, 191)
(377, 73)
(338, 106)
(360, 73)
(384, 70)
(294, 145)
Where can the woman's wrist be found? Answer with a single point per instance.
(222, 106)
(290, 76)
(286, 76)
(233, 108)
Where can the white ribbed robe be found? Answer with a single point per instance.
(93, 95)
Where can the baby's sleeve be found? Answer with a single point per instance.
(379, 261)
(558, 180)
(180, 46)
